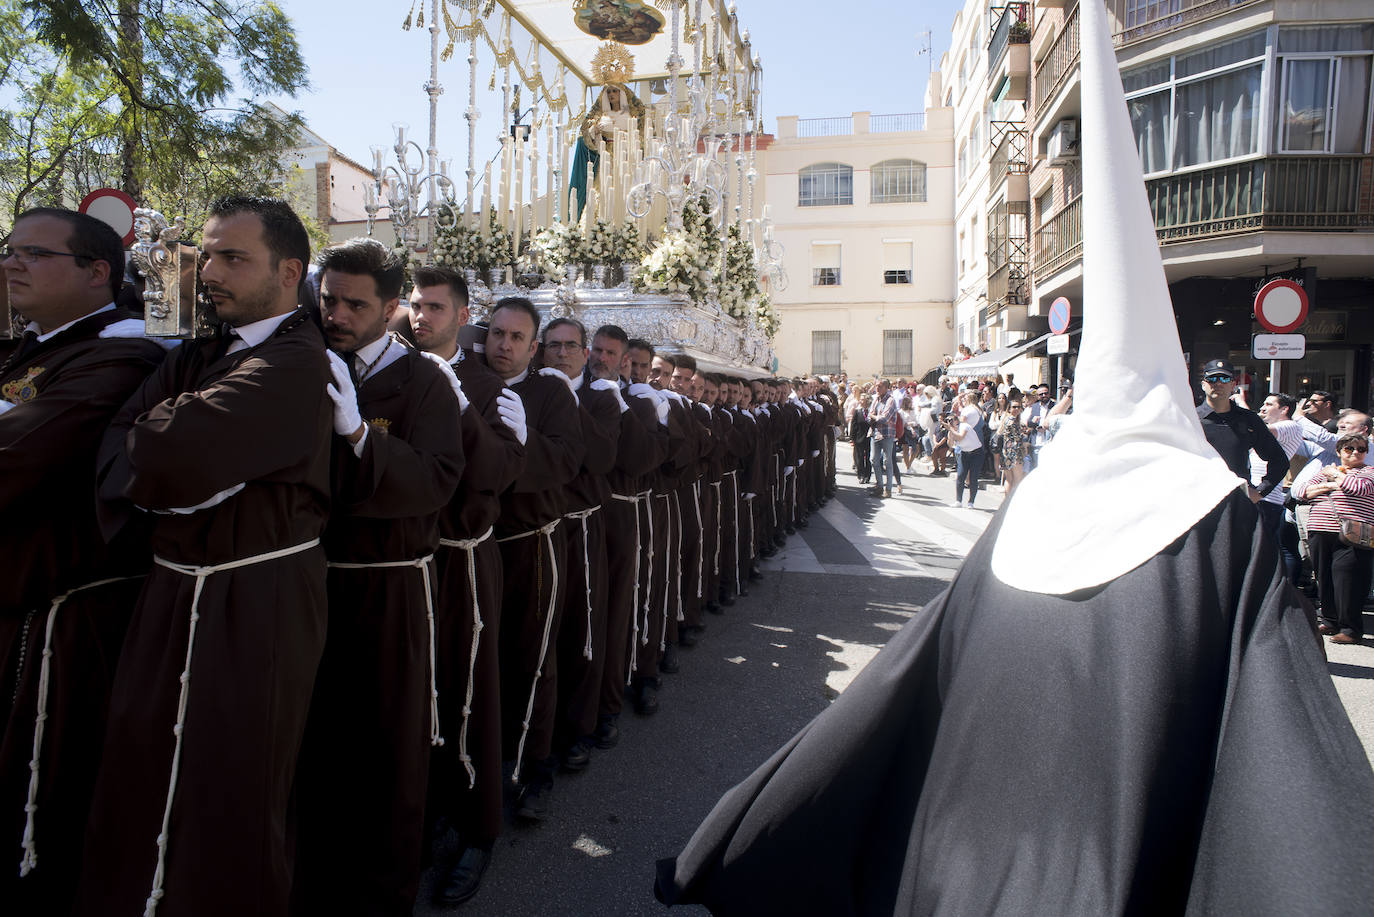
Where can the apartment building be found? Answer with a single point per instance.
(863, 206)
(1253, 127)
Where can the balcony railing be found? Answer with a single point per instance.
(894, 124)
(1135, 20)
(1013, 27)
(825, 127)
(1055, 69)
(1282, 192)
(1009, 155)
(1060, 241)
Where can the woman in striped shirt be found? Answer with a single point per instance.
(1344, 491)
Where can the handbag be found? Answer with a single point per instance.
(1357, 534)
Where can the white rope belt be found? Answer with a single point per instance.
(469, 545)
(734, 491)
(749, 499)
(547, 532)
(675, 513)
(648, 496)
(667, 570)
(584, 515)
(715, 564)
(636, 499)
(200, 573)
(696, 504)
(435, 737)
(30, 844)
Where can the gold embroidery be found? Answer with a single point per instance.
(21, 390)
(380, 423)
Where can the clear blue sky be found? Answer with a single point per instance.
(819, 59)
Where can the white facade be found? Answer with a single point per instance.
(864, 212)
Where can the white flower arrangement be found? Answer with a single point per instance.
(739, 288)
(600, 245)
(627, 244)
(459, 246)
(555, 247)
(766, 316)
(679, 263)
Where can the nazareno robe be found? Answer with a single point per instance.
(494, 459)
(365, 759)
(202, 423)
(1167, 743)
(65, 391)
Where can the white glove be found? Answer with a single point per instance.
(606, 385)
(750, 496)
(787, 470)
(347, 420)
(446, 368)
(815, 453)
(661, 406)
(512, 411)
(645, 390)
(216, 500)
(5, 406)
(558, 374)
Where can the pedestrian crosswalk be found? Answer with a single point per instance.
(917, 533)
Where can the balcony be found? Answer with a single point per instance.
(1009, 164)
(1012, 28)
(1008, 224)
(1322, 193)
(1137, 20)
(1059, 242)
(1059, 64)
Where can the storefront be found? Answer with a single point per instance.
(1215, 320)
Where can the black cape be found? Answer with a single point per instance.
(1170, 742)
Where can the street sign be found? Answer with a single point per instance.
(114, 207)
(1059, 315)
(1278, 346)
(1281, 306)
(1057, 344)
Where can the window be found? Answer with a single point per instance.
(896, 261)
(825, 352)
(963, 163)
(1199, 107)
(1044, 204)
(1323, 97)
(897, 181)
(825, 264)
(825, 184)
(897, 353)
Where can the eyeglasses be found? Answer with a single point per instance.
(1218, 377)
(562, 345)
(28, 254)
(1359, 450)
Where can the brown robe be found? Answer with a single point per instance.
(65, 390)
(658, 567)
(201, 424)
(535, 566)
(495, 458)
(582, 635)
(642, 447)
(365, 759)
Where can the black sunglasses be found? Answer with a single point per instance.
(1218, 377)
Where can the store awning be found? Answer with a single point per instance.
(986, 364)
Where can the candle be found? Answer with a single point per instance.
(548, 168)
(377, 154)
(533, 157)
(518, 211)
(503, 202)
(486, 193)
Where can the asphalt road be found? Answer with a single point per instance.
(827, 603)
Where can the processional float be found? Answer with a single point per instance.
(625, 192)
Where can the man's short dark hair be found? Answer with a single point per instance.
(521, 304)
(1286, 401)
(640, 344)
(282, 230)
(683, 361)
(368, 257)
(89, 239)
(615, 333)
(1324, 396)
(669, 358)
(431, 276)
(572, 322)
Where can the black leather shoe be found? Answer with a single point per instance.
(755, 574)
(534, 801)
(577, 756)
(726, 600)
(791, 529)
(714, 607)
(687, 636)
(767, 551)
(669, 664)
(646, 704)
(460, 882)
(607, 733)
(742, 591)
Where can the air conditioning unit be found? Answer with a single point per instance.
(1062, 145)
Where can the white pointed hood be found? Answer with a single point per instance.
(1130, 470)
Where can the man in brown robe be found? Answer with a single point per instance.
(397, 458)
(533, 552)
(642, 448)
(465, 772)
(66, 596)
(227, 444)
(582, 634)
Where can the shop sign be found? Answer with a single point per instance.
(1325, 326)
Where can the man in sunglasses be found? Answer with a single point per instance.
(1233, 430)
